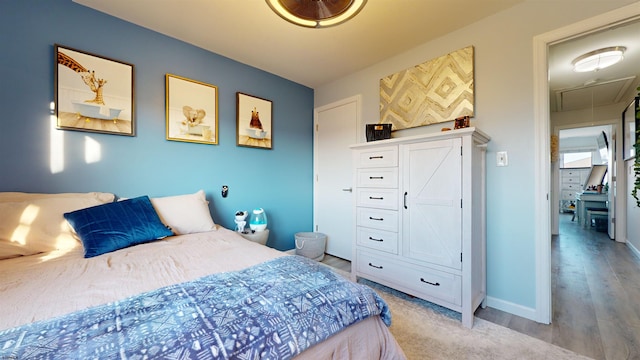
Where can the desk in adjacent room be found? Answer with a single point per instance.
(589, 200)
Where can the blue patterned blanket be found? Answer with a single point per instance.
(273, 310)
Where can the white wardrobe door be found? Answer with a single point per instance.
(431, 204)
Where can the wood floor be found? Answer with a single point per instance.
(595, 296)
(337, 262)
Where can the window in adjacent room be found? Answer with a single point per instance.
(576, 159)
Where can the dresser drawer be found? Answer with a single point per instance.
(377, 177)
(386, 241)
(571, 179)
(377, 198)
(570, 186)
(379, 157)
(422, 281)
(377, 218)
(568, 195)
(567, 173)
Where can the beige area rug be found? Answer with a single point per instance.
(423, 333)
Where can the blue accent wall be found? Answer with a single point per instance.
(278, 180)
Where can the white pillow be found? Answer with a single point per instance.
(37, 225)
(185, 214)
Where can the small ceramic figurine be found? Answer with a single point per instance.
(461, 122)
(240, 220)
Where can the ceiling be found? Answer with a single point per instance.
(249, 32)
(574, 91)
(582, 138)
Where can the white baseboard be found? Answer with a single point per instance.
(515, 309)
(633, 249)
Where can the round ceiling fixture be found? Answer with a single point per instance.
(598, 59)
(316, 13)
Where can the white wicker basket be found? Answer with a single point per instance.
(311, 245)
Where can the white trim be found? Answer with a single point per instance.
(542, 180)
(542, 134)
(512, 308)
(634, 249)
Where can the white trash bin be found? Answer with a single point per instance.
(311, 245)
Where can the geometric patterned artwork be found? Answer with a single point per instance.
(436, 91)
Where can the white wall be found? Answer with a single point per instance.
(504, 109)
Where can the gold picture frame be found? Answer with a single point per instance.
(254, 121)
(93, 93)
(191, 110)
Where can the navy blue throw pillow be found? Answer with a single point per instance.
(117, 225)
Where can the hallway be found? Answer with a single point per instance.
(595, 296)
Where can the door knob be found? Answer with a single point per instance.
(348, 189)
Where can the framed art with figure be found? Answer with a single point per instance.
(93, 93)
(191, 110)
(254, 126)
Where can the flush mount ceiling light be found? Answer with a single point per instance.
(598, 59)
(316, 13)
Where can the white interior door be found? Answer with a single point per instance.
(611, 178)
(335, 129)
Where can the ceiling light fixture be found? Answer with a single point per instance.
(316, 13)
(598, 59)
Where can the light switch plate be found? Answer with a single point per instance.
(501, 158)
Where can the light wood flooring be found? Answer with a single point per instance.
(336, 262)
(595, 296)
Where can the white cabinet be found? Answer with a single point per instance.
(420, 217)
(376, 179)
(432, 185)
(571, 183)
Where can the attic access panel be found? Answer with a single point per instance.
(587, 96)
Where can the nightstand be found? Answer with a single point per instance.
(259, 237)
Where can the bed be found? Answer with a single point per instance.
(202, 291)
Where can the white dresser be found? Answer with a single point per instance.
(571, 183)
(420, 217)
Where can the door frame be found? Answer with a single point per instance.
(556, 181)
(357, 99)
(542, 134)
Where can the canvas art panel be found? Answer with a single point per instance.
(93, 93)
(436, 91)
(254, 126)
(630, 122)
(191, 110)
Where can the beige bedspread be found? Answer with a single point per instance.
(41, 286)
